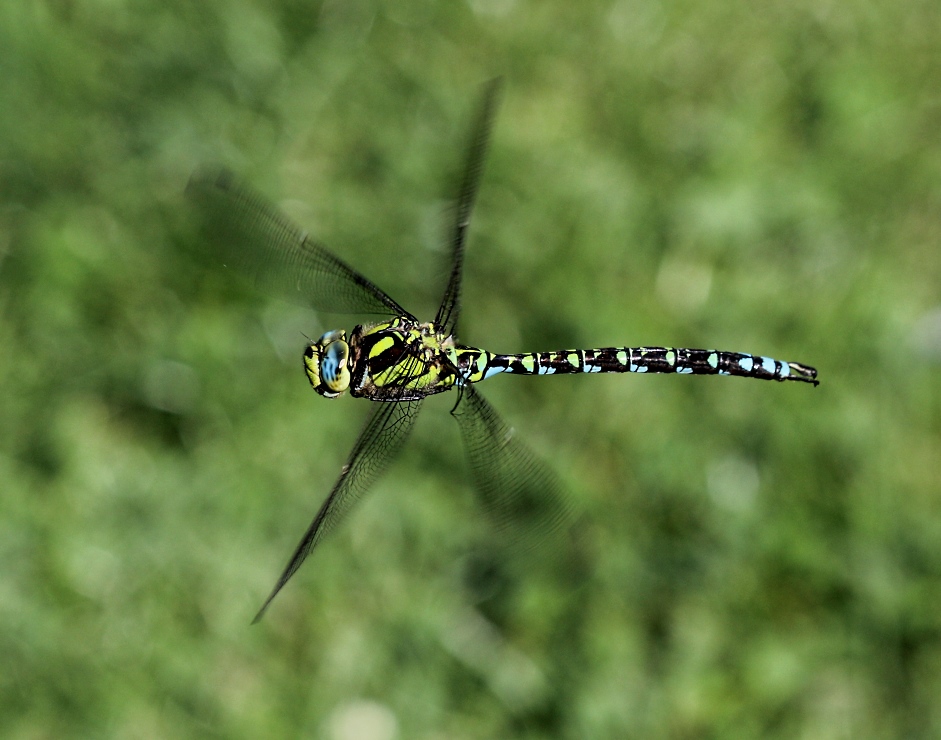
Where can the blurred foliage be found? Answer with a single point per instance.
(762, 560)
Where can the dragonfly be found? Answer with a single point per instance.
(400, 361)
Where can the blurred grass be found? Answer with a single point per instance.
(765, 560)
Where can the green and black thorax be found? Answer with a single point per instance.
(397, 360)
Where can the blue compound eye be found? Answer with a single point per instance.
(327, 364)
(334, 366)
(333, 358)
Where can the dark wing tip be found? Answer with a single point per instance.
(264, 607)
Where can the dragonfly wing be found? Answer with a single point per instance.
(380, 441)
(523, 496)
(450, 304)
(256, 238)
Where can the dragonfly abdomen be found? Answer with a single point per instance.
(480, 364)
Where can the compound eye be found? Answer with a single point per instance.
(327, 364)
(334, 367)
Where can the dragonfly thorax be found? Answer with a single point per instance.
(327, 364)
(397, 360)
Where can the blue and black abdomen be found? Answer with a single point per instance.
(479, 364)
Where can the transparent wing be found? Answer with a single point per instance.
(523, 496)
(380, 441)
(253, 236)
(450, 304)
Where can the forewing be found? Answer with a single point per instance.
(380, 441)
(523, 496)
(253, 236)
(480, 136)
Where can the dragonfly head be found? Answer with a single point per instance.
(327, 364)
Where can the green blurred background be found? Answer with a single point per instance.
(762, 560)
